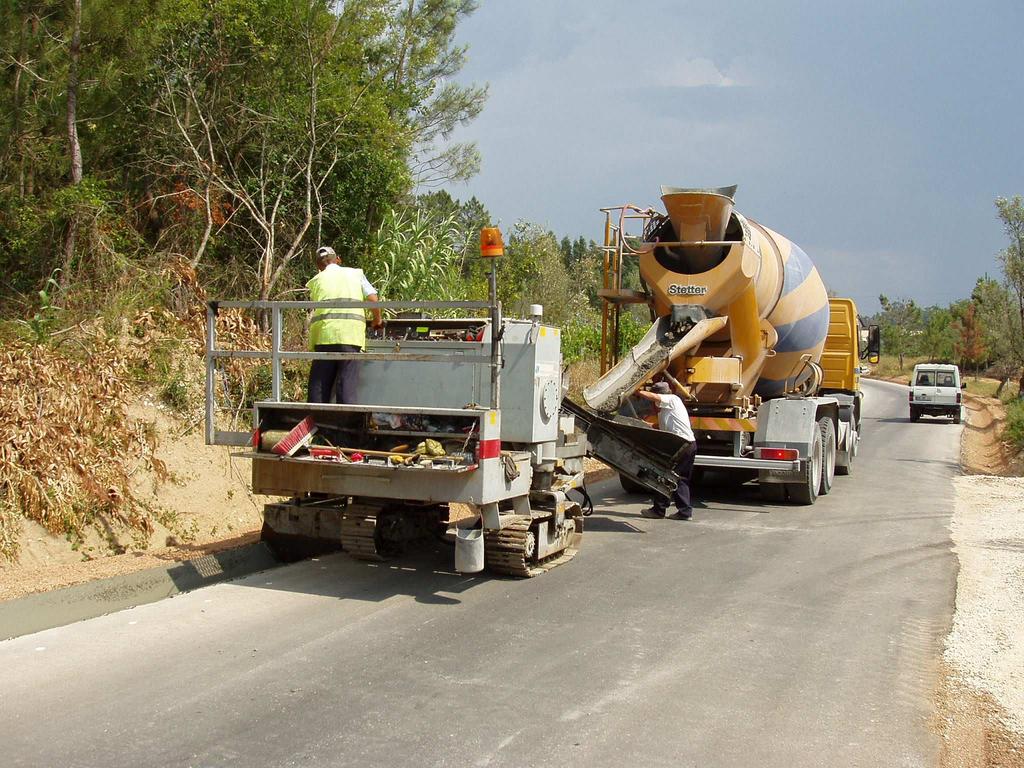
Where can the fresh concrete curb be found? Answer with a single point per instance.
(47, 610)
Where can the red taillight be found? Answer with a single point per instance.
(910, 395)
(958, 396)
(778, 454)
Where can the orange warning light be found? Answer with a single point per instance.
(490, 242)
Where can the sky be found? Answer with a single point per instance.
(875, 135)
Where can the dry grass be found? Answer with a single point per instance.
(582, 373)
(888, 367)
(68, 449)
(10, 527)
(67, 446)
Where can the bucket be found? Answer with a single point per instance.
(469, 550)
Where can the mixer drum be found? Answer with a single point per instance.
(788, 291)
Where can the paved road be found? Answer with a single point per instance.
(753, 636)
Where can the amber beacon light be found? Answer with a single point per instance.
(490, 242)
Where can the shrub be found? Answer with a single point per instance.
(175, 393)
(1015, 424)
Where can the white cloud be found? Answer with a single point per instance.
(694, 73)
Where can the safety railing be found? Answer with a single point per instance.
(276, 355)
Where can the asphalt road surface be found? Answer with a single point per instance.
(755, 635)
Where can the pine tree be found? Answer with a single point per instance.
(970, 343)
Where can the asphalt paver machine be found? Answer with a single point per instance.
(465, 410)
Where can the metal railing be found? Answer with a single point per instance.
(276, 355)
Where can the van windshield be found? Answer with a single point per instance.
(926, 379)
(945, 380)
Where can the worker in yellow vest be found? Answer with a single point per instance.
(337, 330)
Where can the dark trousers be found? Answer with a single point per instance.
(681, 495)
(333, 380)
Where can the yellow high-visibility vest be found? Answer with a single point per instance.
(337, 326)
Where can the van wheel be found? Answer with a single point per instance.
(805, 491)
(914, 415)
(956, 418)
(828, 455)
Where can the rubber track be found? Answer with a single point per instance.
(505, 550)
(357, 533)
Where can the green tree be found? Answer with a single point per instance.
(421, 59)
(1011, 213)
(270, 134)
(900, 322)
(995, 314)
(469, 216)
(236, 133)
(937, 334)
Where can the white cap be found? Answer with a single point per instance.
(536, 310)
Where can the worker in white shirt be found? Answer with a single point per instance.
(672, 417)
(337, 330)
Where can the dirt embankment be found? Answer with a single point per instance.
(206, 493)
(983, 450)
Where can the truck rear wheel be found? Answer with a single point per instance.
(805, 491)
(828, 455)
(846, 467)
(914, 414)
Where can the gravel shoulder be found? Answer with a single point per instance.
(987, 640)
(981, 697)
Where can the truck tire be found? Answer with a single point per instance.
(828, 455)
(632, 486)
(851, 454)
(956, 417)
(914, 414)
(806, 490)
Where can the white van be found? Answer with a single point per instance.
(935, 391)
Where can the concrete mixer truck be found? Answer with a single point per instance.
(745, 332)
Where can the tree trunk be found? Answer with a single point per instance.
(207, 231)
(74, 147)
(17, 142)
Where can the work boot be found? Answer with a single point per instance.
(652, 513)
(680, 515)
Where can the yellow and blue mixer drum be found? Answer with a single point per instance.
(705, 253)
